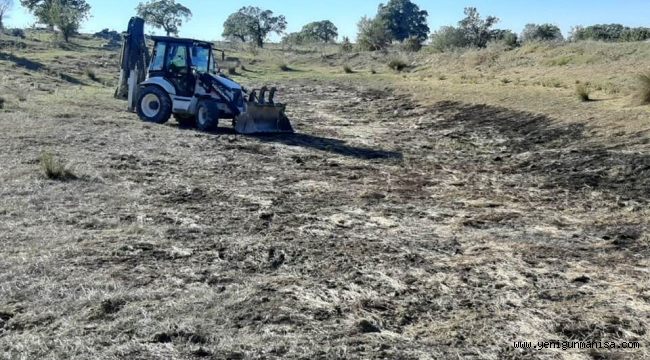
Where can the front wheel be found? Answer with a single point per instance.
(207, 115)
(154, 105)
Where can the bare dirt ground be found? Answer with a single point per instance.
(383, 229)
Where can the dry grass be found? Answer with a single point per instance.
(418, 224)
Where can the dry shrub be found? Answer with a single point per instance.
(347, 69)
(55, 170)
(232, 70)
(284, 67)
(582, 91)
(92, 75)
(643, 90)
(397, 65)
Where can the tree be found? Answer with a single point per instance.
(253, 23)
(543, 32)
(476, 29)
(322, 31)
(164, 14)
(66, 15)
(66, 18)
(374, 34)
(404, 19)
(5, 6)
(237, 27)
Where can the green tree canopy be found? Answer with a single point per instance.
(404, 20)
(543, 32)
(253, 23)
(164, 14)
(322, 31)
(476, 29)
(66, 15)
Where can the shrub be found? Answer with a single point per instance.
(2, 102)
(643, 91)
(582, 91)
(543, 32)
(232, 70)
(373, 71)
(284, 67)
(373, 34)
(54, 169)
(92, 75)
(347, 69)
(20, 33)
(412, 44)
(449, 37)
(346, 45)
(397, 65)
(110, 35)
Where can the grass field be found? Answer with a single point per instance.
(447, 210)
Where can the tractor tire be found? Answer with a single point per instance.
(154, 105)
(207, 115)
(185, 121)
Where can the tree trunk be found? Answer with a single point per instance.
(260, 42)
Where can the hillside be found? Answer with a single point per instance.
(448, 210)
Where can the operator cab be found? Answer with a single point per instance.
(179, 60)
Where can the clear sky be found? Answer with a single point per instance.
(209, 15)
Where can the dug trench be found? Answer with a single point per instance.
(385, 228)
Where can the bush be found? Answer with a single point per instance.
(2, 102)
(232, 70)
(284, 67)
(346, 45)
(53, 169)
(92, 75)
(347, 69)
(643, 91)
(110, 35)
(373, 34)
(412, 44)
(449, 37)
(397, 65)
(20, 33)
(543, 32)
(582, 91)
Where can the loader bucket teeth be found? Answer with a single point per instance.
(262, 94)
(263, 116)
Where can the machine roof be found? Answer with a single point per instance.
(180, 40)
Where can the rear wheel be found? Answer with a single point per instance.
(154, 105)
(207, 115)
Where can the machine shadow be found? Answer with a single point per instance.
(330, 145)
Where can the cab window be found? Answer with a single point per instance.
(158, 58)
(201, 59)
(177, 58)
